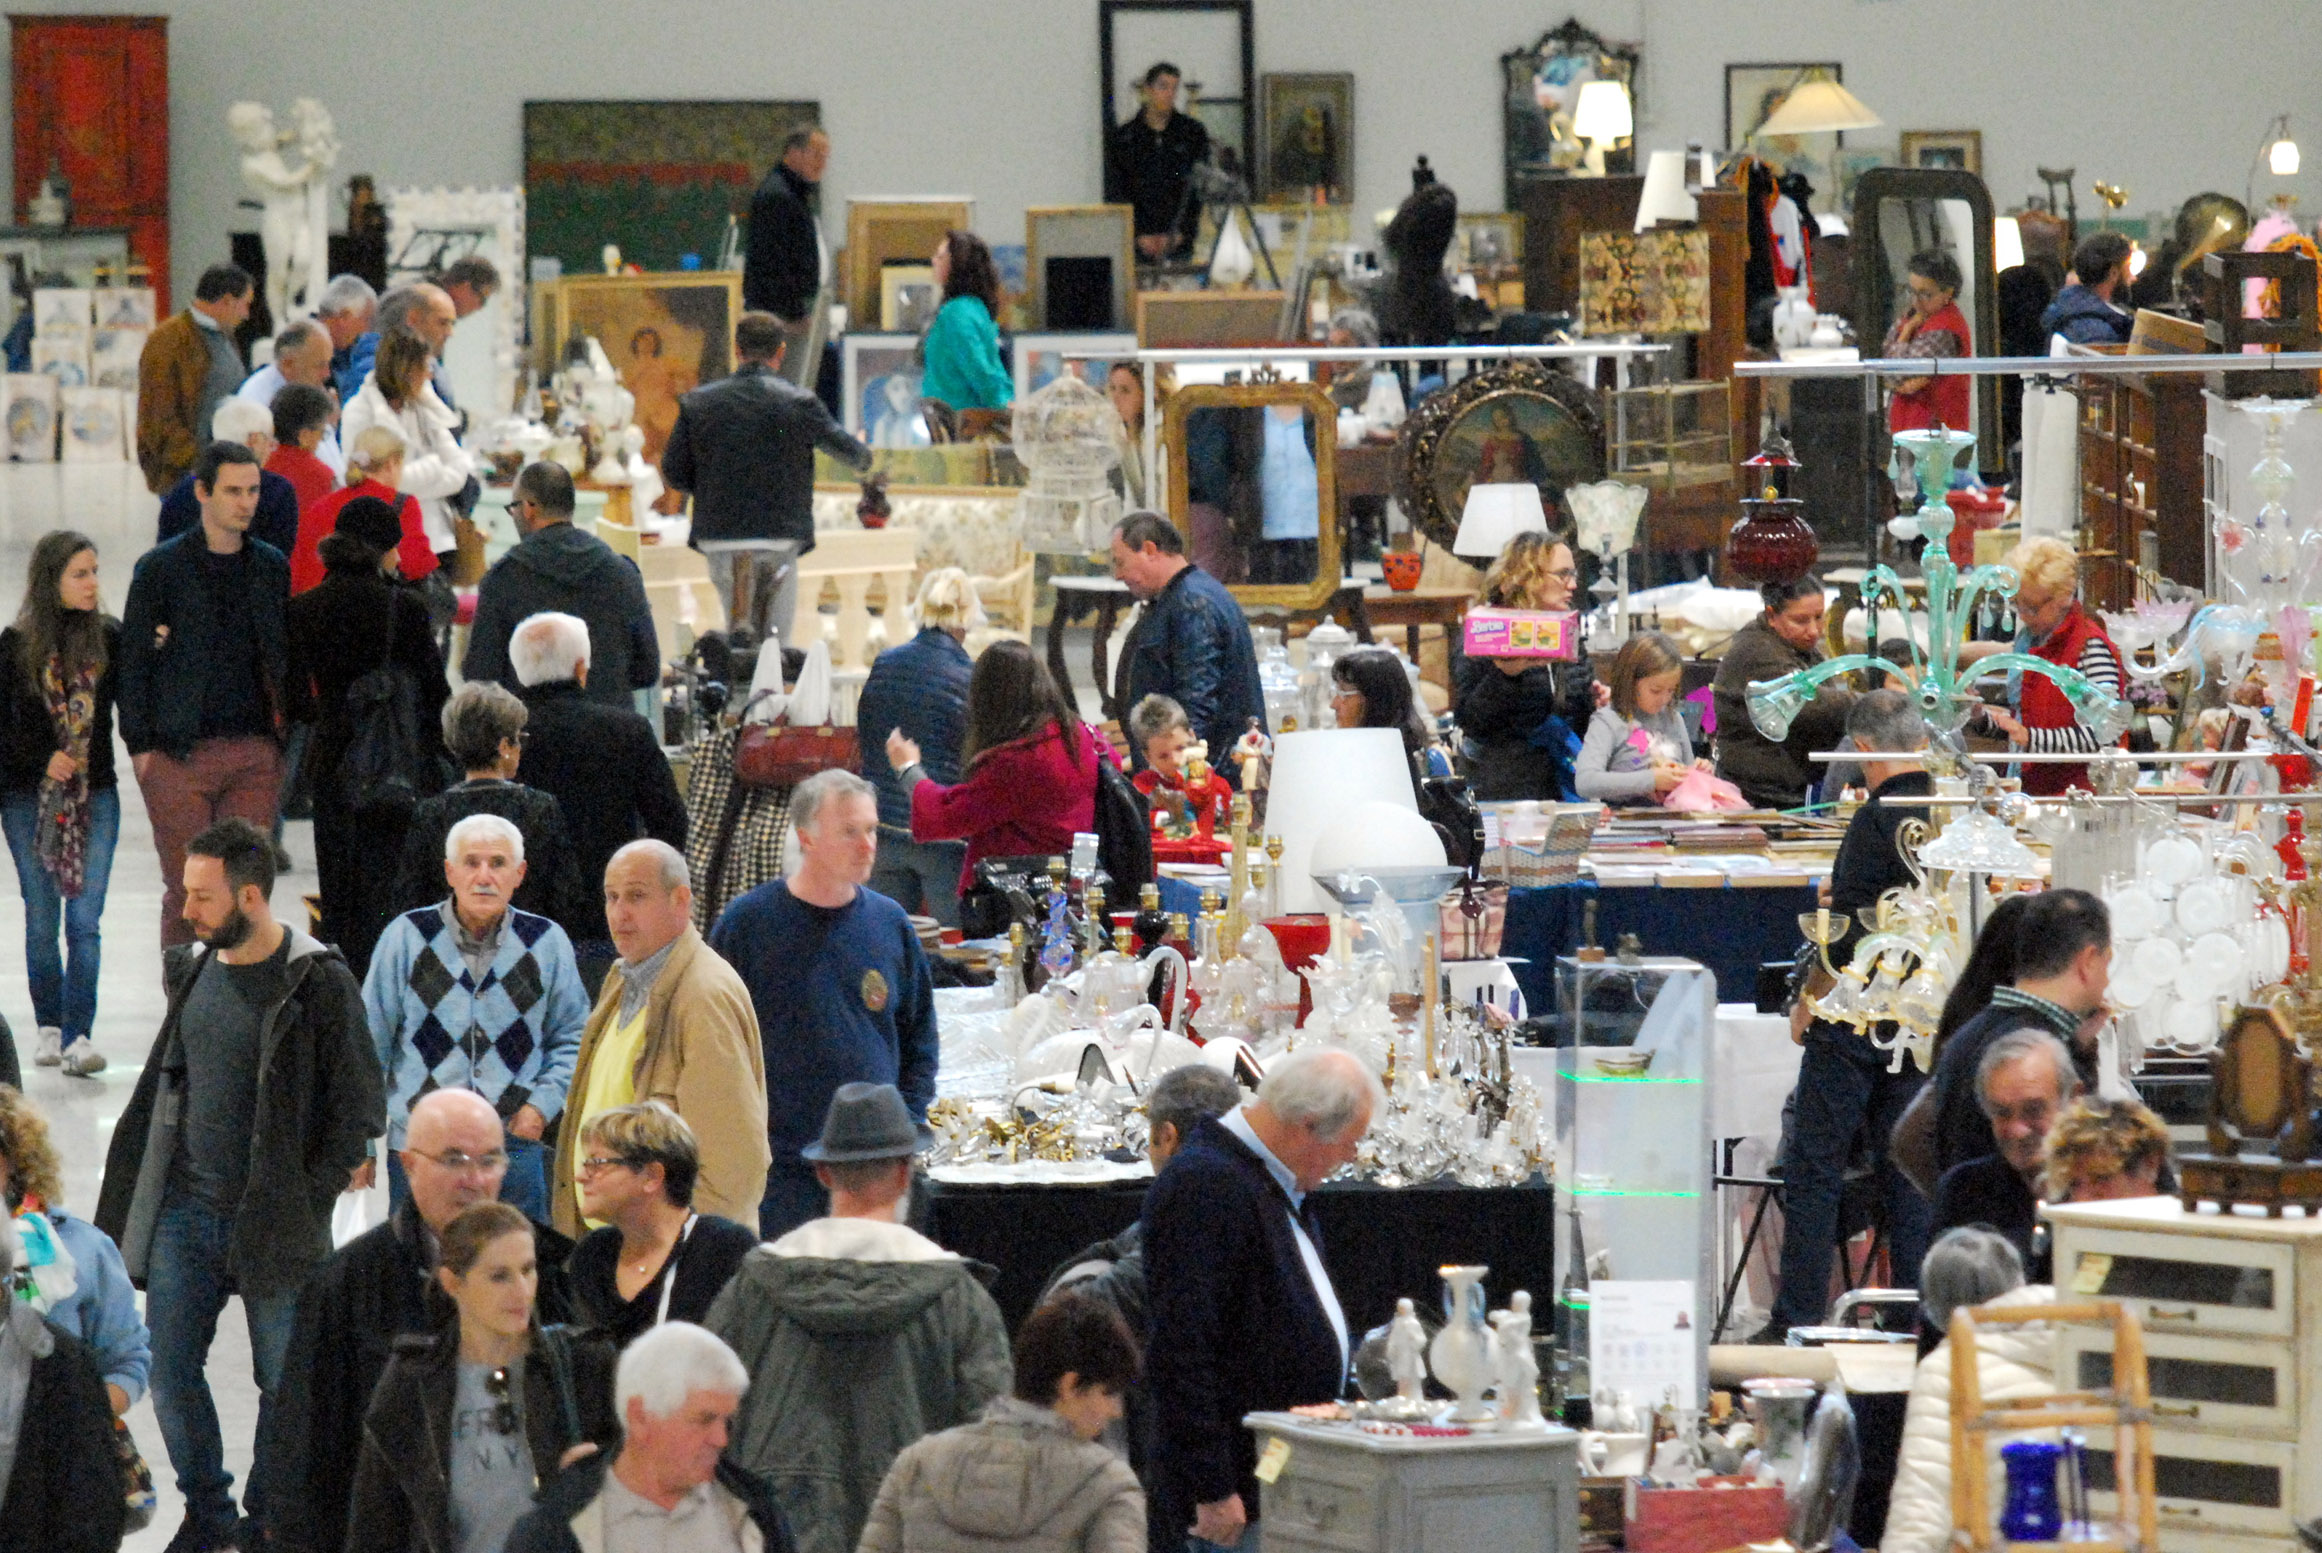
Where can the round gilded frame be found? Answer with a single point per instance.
(1438, 444)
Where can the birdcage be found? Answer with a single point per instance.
(1068, 437)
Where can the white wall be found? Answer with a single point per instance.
(999, 97)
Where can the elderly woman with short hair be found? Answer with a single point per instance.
(2052, 626)
(650, 1257)
(2100, 1149)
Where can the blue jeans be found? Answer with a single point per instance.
(525, 1187)
(186, 1286)
(64, 992)
(1843, 1087)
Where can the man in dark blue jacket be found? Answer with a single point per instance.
(557, 569)
(2084, 312)
(920, 691)
(1243, 1317)
(1192, 644)
(205, 659)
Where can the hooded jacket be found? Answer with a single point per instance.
(558, 567)
(1017, 1479)
(2085, 318)
(861, 1336)
(2012, 1364)
(320, 1102)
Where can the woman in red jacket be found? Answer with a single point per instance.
(1030, 764)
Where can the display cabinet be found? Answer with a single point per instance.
(2140, 485)
(1671, 435)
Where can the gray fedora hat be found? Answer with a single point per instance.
(868, 1121)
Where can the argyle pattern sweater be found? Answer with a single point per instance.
(511, 1038)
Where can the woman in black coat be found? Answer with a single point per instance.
(1509, 709)
(356, 619)
(470, 1422)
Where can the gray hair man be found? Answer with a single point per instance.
(1243, 1315)
(302, 357)
(673, 1023)
(2023, 1081)
(677, 1388)
(842, 989)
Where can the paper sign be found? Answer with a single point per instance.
(1273, 1459)
(1521, 633)
(1642, 1339)
(2095, 1267)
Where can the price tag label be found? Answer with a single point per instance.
(1273, 1459)
(2095, 1267)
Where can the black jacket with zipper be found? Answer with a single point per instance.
(743, 448)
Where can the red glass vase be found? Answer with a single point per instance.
(1773, 542)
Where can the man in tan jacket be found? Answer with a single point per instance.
(674, 1023)
(189, 367)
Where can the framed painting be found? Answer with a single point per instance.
(1198, 318)
(1306, 137)
(1539, 88)
(1080, 266)
(1944, 150)
(1489, 240)
(879, 390)
(665, 334)
(1752, 93)
(892, 231)
(428, 229)
(659, 179)
(908, 296)
(1521, 422)
(1040, 358)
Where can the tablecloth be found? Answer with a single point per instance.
(1731, 931)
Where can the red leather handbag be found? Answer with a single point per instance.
(778, 755)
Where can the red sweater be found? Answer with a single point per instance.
(306, 568)
(312, 479)
(1021, 799)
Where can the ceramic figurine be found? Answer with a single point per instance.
(1518, 1367)
(1407, 1355)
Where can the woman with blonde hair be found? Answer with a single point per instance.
(919, 690)
(2101, 1149)
(655, 1258)
(374, 469)
(1520, 719)
(400, 394)
(2052, 626)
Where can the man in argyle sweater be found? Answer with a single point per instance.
(474, 994)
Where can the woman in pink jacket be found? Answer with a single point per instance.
(1030, 764)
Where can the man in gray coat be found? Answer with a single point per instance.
(860, 1334)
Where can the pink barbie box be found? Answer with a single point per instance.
(1522, 633)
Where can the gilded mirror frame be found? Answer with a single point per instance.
(1421, 442)
(1329, 561)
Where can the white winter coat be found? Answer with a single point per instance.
(435, 466)
(2013, 1363)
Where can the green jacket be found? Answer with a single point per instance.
(860, 1337)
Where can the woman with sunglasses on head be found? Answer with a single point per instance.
(469, 1421)
(652, 1258)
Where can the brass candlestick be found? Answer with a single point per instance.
(1239, 834)
(1430, 994)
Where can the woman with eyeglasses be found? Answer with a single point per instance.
(1933, 329)
(469, 1421)
(648, 1257)
(1521, 719)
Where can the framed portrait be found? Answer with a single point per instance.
(31, 412)
(1752, 93)
(1519, 422)
(1306, 137)
(879, 390)
(908, 296)
(1253, 487)
(1944, 150)
(665, 334)
(1539, 88)
(883, 231)
(1209, 40)
(1080, 266)
(1040, 358)
(1490, 240)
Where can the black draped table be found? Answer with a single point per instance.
(1379, 1243)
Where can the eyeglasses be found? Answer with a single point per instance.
(459, 1162)
(1565, 573)
(597, 1162)
(497, 1384)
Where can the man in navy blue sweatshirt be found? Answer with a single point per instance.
(841, 986)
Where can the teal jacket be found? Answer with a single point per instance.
(963, 358)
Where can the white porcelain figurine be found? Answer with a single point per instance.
(1517, 1367)
(1407, 1355)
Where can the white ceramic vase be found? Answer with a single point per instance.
(1461, 1355)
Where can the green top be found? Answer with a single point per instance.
(963, 358)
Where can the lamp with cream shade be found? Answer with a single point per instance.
(1495, 514)
(1601, 116)
(2007, 243)
(1818, 105)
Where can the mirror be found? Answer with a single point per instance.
(1903, 211)
(1209, 40)
(1253, 487)
(1539, 88)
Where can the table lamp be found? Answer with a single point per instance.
(1319, 775)
(1495, 514)
(2007, 244)
(1601, 117)
(1817, 105)
(1664, 197)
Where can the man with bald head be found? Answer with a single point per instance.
(674, 1023)
(302, 358)
(455, 1155)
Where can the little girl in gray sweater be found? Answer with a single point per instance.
(1637, 748)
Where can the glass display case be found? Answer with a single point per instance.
(1634, 1198)
(1671, 435)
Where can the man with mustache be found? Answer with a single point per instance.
(471, 993)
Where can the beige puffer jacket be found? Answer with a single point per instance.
(1016, 1479)
(2013, 1363)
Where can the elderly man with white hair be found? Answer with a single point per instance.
(347, 310)
(252, 425)
(670, 1485)
(1242, 1315)
(674, 1023)
(471, 993)
(601, 763)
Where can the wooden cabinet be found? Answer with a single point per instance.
(92, 100)
(2140, 485)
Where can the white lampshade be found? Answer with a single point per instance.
(2007, 243)
(1664, 197)
(1816, 106)
(1495, 514)
(1320, 775)
(1602, 112)
(2281, 158)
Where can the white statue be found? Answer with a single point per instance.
(293, 239)
(1518, 1367)
(1407, 1355)
(1616, 1411)
(318, 143)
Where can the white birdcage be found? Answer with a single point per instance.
(1068, 437)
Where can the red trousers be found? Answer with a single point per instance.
(218, 778)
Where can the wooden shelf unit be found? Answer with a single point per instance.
(2140, 484)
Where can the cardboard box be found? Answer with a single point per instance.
(1522, 633)
(1704, 1520)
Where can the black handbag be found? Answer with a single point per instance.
(386, 766)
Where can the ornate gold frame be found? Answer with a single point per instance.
(1422, 436)
(1328, 562)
